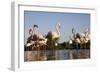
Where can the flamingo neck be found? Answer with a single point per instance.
(57, 29)
(34, 31)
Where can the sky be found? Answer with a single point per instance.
(46, 22)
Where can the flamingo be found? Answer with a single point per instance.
(36, 37)
(83, 37)
(53, 37)
(56, 34)
(41, 39)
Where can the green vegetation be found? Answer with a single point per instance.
(66, 45)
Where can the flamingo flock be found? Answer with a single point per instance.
(38, 39)
(80, 38)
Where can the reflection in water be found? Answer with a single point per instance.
(58, 55)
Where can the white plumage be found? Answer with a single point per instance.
(40, 38)
(56, 34)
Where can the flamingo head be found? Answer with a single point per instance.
(59, 25)
(35, 25)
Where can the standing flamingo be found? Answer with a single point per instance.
(56, 34)
(53, 40)
(36, 40)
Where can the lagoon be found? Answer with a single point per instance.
(64, 54)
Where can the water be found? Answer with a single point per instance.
(63, 54)
(57, 54)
